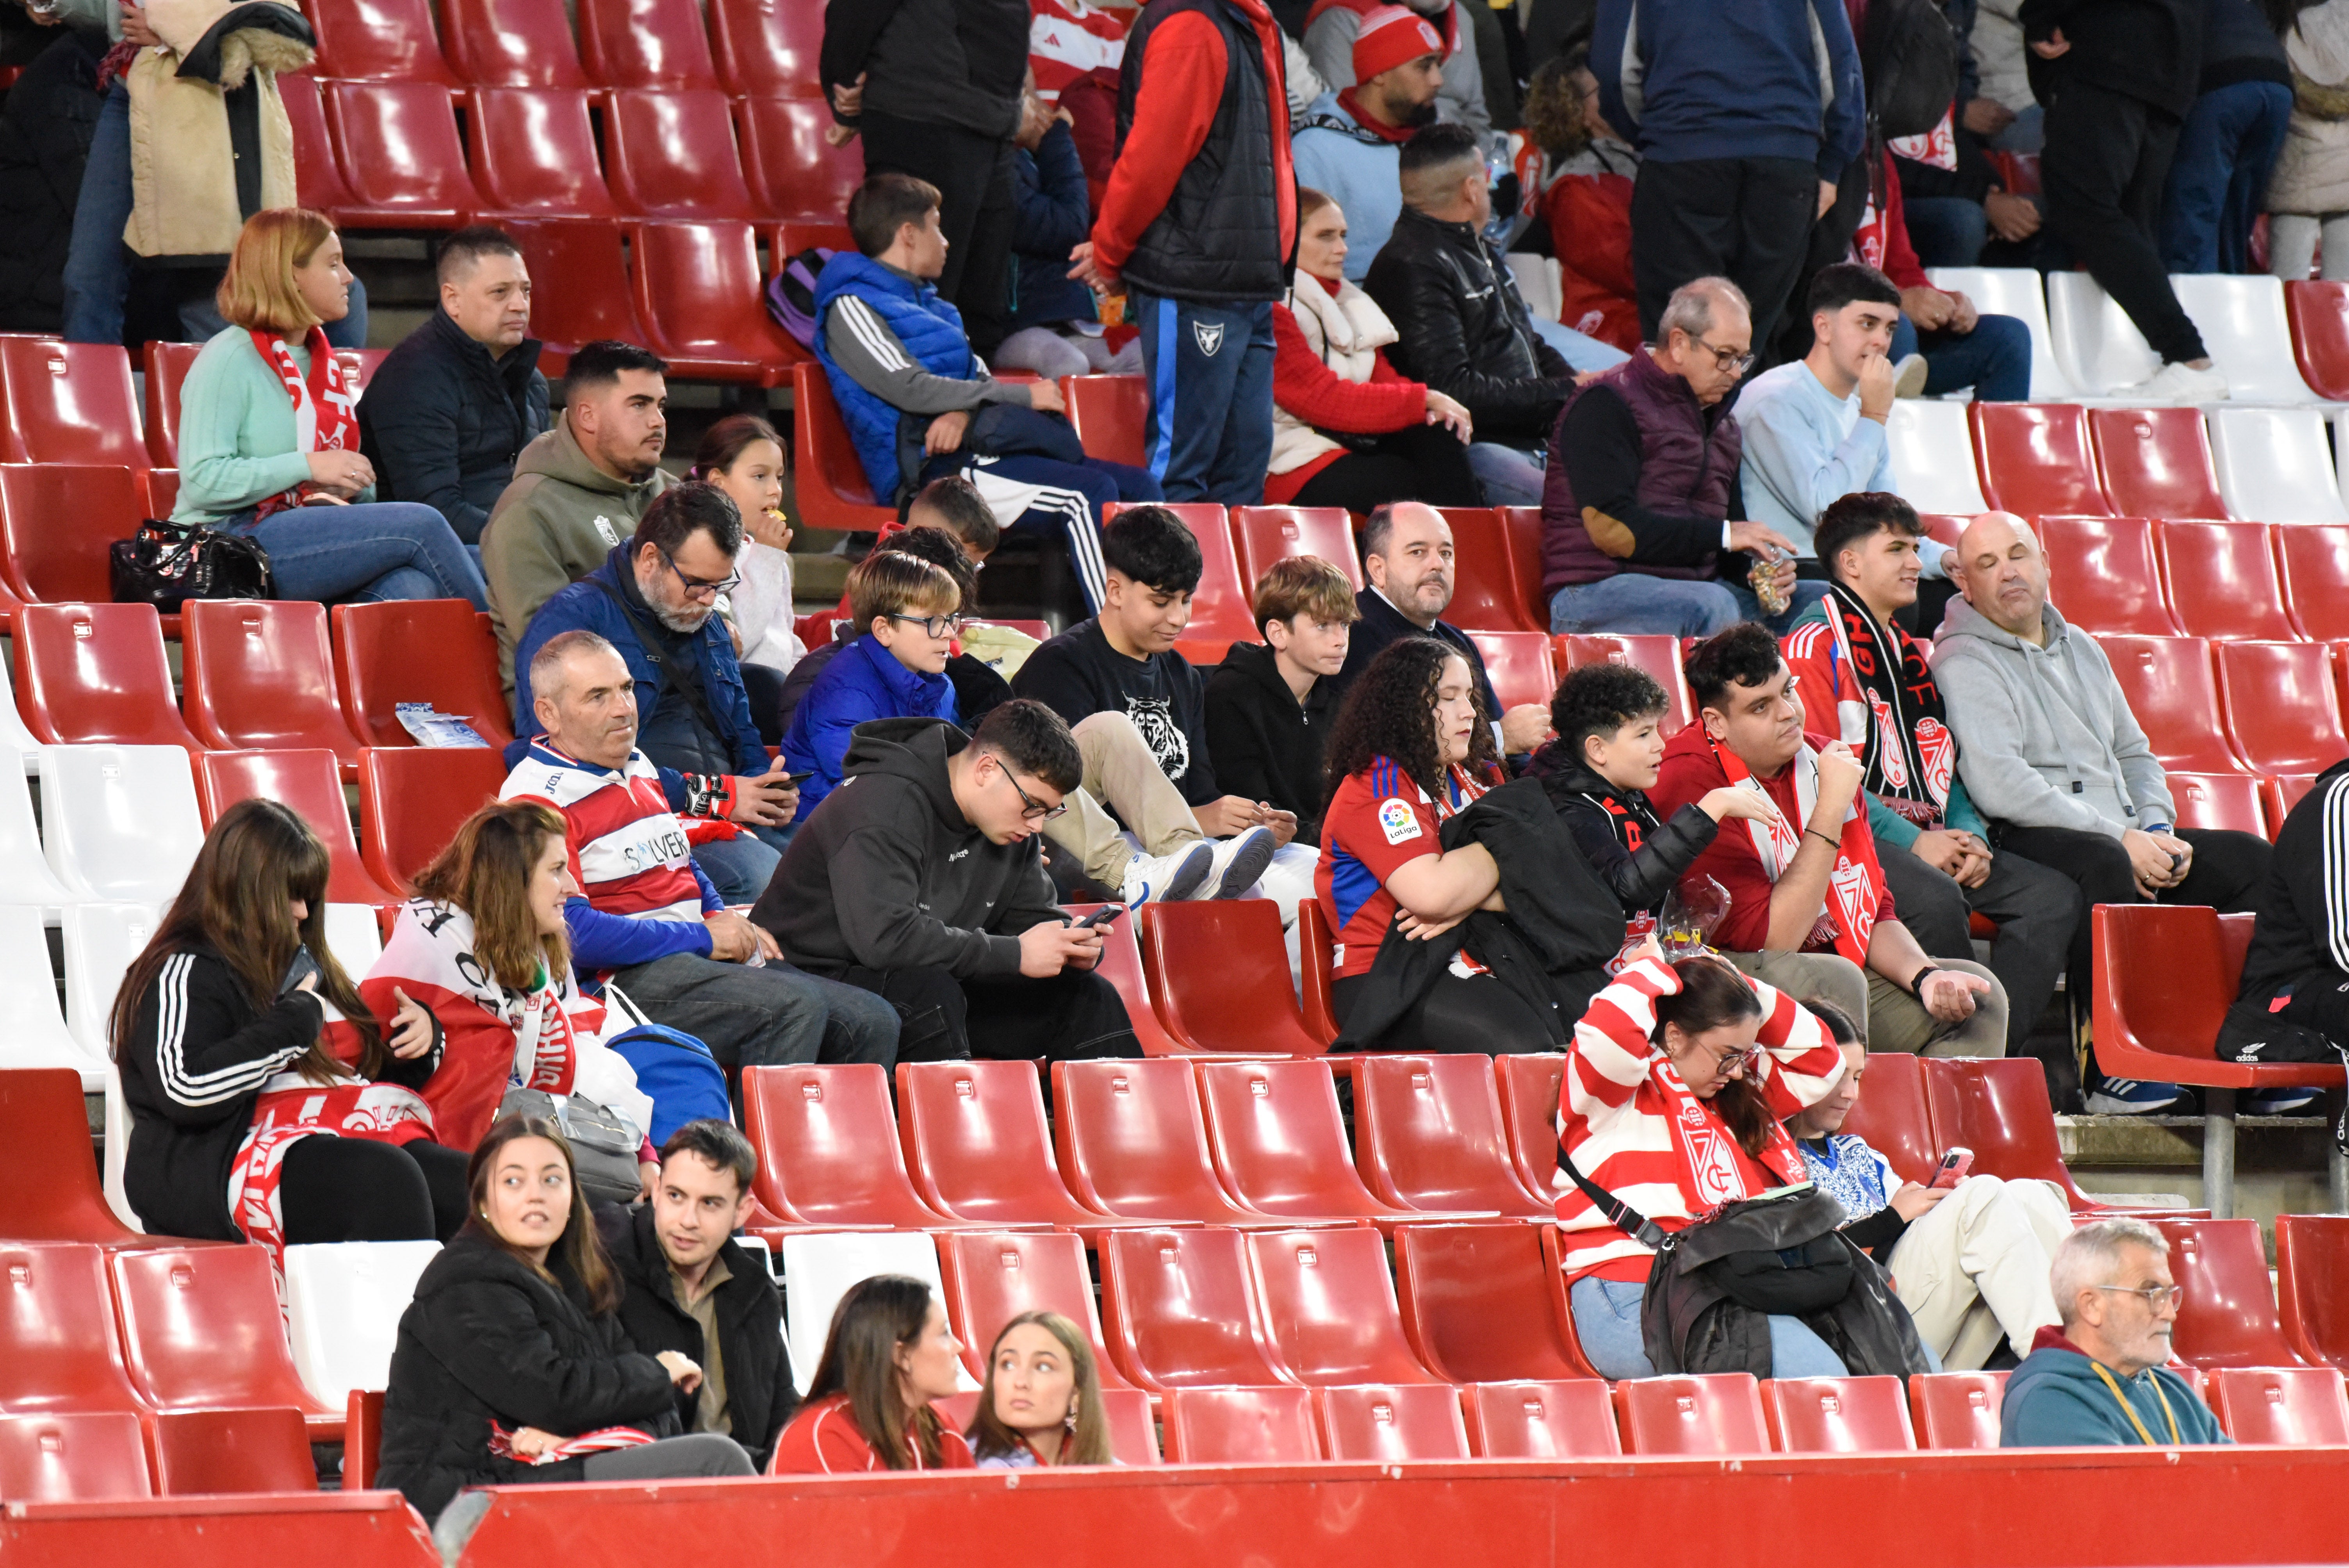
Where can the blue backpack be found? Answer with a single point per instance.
(685, 1081)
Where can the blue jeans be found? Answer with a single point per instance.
(1946, 231)
(1209, 371)
(740, 869)
(1510, 477)
(1994, 359)
(1581, 352)
(383, 549)
(2027, 134)
(1029, 494)
(1634, 602)
(1607, 1321)
(2219, 176)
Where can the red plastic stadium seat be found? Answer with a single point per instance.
(59, 520)
(59, 1350)
(534, 154)
(511, 42)
(201, 1330)
(1956, 1409)
(362, 1438)
(699, 293)
(2223, 583)
(68, 403)
(1328, 1306)
(1555, 1420)
(160, 488)
(318, 179)
(2172, 690)
(2105, 576)
(1428, 1134)
(670, 153)
(829, 477)
(1280, 1147)
(1837, 1415)
(2318, 314)
(199, 1451)
(828, 1148)
(1220, 614)
(1387, 1422)
(1891, 1116)
(1721, 1413)
(1133, 1428)
(90, 674)
(793, 235)
(1998, 1109)
(767, 48)
(1131, 1141)
(260, 675)
(2298, 1405)
(1522, 527)
(978, 1148)
(1219, 972)
(993, 1277)
(1659, 656)
(1121, 965)
(1241, 1425)
(166, 366)
(2217, 801)
(1179, 1311)
(401, 156)
(2228, 1317)
(2036, 459)
(595, 301)
(1518, 666)
(311, 783)
(379, 41)
(2155, 462)
(413, 798)
(2315, 559)
(1488, 597)
(2312, 1286)
(2283, 710)
(645, 44)
(1476, 1308)
(2280, 794)
(793, 172)
(2165, 974)
(438, 651)
(1315, 945)
(1530, 1087)
(96, 1456)
(57, 1196)
(1270, 533)
(1112, 414)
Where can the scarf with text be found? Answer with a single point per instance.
(1847, 917)
(324, 419)
(1708, 1150)
(1894, 711)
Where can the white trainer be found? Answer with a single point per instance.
(1240, 860)
(2178, 382)
(1168, 877)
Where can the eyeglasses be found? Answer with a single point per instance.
(2156, 1297)
(936, 626)
(1745, 1061)
(1729, 360)
(696, 587)
(1037, 811)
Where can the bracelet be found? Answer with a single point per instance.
(1916, 980)
(1822, 838)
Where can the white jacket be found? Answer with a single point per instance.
(1347, 331)
(2311, 177)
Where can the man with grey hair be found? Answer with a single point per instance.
(1635, 504)
(2099, 1379)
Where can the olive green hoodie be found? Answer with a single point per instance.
(553, 525)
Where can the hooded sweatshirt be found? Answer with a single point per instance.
(2055, 1399)
(553, 526)
(919, 887)
(2045, 739)
(1266, 744)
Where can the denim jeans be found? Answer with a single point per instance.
(383, 549)
(1946, 231)
(98, 263)
(1510, 477)
(740, 869)
(2219, 176)
(1578, 350)
(773, 1016)
(1632, 602)
(1994, 359)
(200, 320)
(1607, 1321)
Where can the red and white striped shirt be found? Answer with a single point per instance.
(1614, 1117)
(1067, 39)
(632, 855)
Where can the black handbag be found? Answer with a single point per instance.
(167, 563)
(604, 1143)
(1809, 1275)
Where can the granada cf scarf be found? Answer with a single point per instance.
(1890, 698)
(323, 417)
(1708, 1149)
(603, 1439)
(1848, 919)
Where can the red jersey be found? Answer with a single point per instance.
(1378, 821)
(824, 1440)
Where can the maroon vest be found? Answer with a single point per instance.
(1686, 470)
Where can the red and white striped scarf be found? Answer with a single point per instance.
(603, 1439)
(324, 412)
(1069, 39)
(1847, 915)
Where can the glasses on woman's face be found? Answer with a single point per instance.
(701, 588)
(1036, 810)
(1730, 1063)
(936, 626)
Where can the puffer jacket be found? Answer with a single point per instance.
(444, 419)
(209, 143)
(2311, 176)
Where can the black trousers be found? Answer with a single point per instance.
(1745, 218)
(1456, 1015)
(1422, 462)
(1073, 1015)
(973, 174)
(2225, 873)
(2106, 160)
(2038, 912)
(356, 1190)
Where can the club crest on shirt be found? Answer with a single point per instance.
(1209, 336)
(1397, 822)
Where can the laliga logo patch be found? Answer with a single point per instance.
(1209, 336)
(1397, 822)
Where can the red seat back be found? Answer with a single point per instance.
(1428, 1134)
(1270, 533)
(199, 1451)
(438, 651)
(2036, 458)
(1279, 1143)
(2222, 577)
(511, 42)
(1998, 1109)
(978, 1146)
(260, 675)
(1220, 605)
(1721, 1413)
(1328, 1306)
(1391, 1422)
(1112, 414)
(1133, 1142)
(645, 44)
(2165, 974)
(2170, 688)
(1314, 948)
(68, 403)
(87, 1458)
(1956, 1409)
(59, 520)
(1476, 1307)
(2228, 1317)
(993, 1277)
(2312, 1286)
(1659, 656)
(2283, 710)
(1219, 972)
(1518, 666)
(1530, 1088)
(2280, 794)
(2302, 1406)
(166, 364)
(1179, 1311)
(58, 1348)
(793, 171)
(2105, 576)
(379, 41)
(1241, 1425)
(699, 293)
(412, 800)
(828, 476)
(2315, 559)
(2318, 314)
(2217, 801)
(767, 48)
(201, 1330)
(310, 782)
(318, 179)
(1891, 1118)
(400, 154)
(362, 1438)
(534, 152)
(595, 300)
(91, 675)
(1487, 595)
(1553, 1420)
(827, 1145)
(1133, 1428)
(670, 153)
(56, 1196)
(1837, 1415)
(1120, 964)
(2155, 462)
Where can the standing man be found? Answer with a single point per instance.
(1199, 223)
(1333, 34)
(1349, 146)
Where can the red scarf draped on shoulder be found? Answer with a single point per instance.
(325, 417)
(1848, 916)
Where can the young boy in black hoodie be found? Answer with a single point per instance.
(1270, 705)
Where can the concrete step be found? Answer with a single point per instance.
(2278, 1161)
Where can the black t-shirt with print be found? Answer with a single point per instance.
(1077, 675)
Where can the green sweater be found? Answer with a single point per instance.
(236, 432)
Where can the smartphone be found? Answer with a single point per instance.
(1952, 1169)
(1101, 916)
(302, 967)
(801, 776)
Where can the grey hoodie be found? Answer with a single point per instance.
(2045, 739)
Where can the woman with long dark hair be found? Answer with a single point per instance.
(888, 1354)
(742, 455)
(511, 1365)
(1043, 1404)
(267, 1102)
(1675, 1085)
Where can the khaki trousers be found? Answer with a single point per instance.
(1898, 1022)
(1974, 1267)
(1119, 770)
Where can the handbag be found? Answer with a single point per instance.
(167, 563)
(604, 1144)
(1808, 1276)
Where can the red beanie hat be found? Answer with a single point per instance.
(1393, 36)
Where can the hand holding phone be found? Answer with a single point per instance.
(1101, 916)
(1953, 1168)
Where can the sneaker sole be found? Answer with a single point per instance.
(2105, 1105)
(1247, 866)
(1188, 876)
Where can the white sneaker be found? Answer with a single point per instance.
(1909, 376)
(1240, 860)
(1167, 877)
(2177, 382)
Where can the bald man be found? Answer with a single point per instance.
(2058, 765)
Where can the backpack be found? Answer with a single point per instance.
(791, 293)
(1908, 57)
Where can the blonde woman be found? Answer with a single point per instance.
(1043, 1403)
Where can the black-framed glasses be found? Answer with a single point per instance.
(2155, 1297)
(936, 626)
(1745, 1061)
(701, 588)
(1730, 361)
(1037, 811)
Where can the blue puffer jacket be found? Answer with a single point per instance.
(1049, 191)
(862, 682)
(930, 327)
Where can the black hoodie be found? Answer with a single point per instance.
(2301, 937)
(1641, 858)
(1265, 744)
(916, 885)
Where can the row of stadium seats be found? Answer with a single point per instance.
(2223, 581)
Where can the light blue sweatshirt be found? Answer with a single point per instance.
(1356, 168)
(1806, 449)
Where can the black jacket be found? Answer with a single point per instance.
(46, 130)
(1264, 744)
(2147, 50)
(942, 62)
(2300, 935)
(1464, 331)
(1641, 858)
(1382, 623)
(488, 1338)
(761, 1398)
(443, 421)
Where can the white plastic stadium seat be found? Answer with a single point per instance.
(100, 940)
(2340, 423)
(818, 1269)
(13, 735)
(2015, 292)
(343, 1302)
(2242, 324)
(353, 938)
(1932, 452)
(118, 1150)
(120, 822)
(2099, 349)
(2274, 465)
(1537, 281)
(33, 1033)
(24, 874)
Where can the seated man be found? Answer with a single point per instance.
(645, 914)
(653, 599)
(578, 489)
(2101, 1378)
(925, 885)
(1348, 145)
(1968, 1261)
(688, 1287)
(1408, 557)
(1805, 880)
(2052, 757)
(1863, 678)
(1270, 703)
(2296, 974)
(1961, 347)
(1635, 511)
(919, 404)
